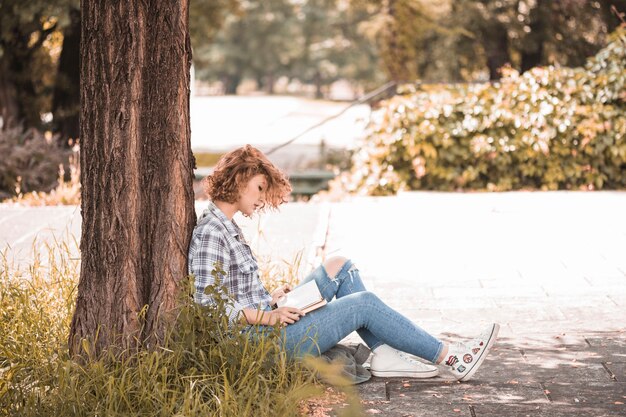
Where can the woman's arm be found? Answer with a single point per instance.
(282, 315)
(279, 292)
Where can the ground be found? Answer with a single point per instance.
(548, 266)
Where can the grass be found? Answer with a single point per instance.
(206, 159)
(201, 369)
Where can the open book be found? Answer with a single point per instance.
(306, 297)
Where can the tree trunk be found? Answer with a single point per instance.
(19, 99)
(8, 98)
(24, 89)
(270, 83)
(66, 100)
(533, 48)
(394, 51)
(136, 171)
(260, 82)
(495, 41)
(231, 82)
(317, 79)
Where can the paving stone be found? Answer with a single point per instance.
(420, 315)
(607, 342)
(399, 294)
(486, 292)
(543, 341)
(605, 313)
(618, 299)
(597, 354)
(557, 355)
(600, 281)
(373, 390)
(554, 371)
(582, 323)
(617, 369)
(591, 300)
(470, 392)
(611, 394)
(551, 410)
(411, 408)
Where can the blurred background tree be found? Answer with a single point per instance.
(529, 33)
(30, 45)
(310, 43)
(39, 60)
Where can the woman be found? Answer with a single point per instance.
(244, 180)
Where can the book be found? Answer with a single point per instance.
(306, 297)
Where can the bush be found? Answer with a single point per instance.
(66, 192)
(550, 128)
(30, 162)
(202, 369)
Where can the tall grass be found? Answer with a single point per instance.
(201, 369)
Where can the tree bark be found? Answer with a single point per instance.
(136, 171)
(495, 41)
(66, 99)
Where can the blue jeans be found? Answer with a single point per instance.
(354, 308)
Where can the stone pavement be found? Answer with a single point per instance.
(549, 267)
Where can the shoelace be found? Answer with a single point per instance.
(406, 357)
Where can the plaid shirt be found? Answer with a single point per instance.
(218, 241)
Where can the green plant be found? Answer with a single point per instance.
(549, 128)
(203, 368)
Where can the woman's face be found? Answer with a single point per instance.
(253, 195)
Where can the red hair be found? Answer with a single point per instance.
(236, 168)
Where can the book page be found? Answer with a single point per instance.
(302, 296)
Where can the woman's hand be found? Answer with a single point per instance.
(285, 316)
(280, 292)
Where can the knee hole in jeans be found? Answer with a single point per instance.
(333, 265)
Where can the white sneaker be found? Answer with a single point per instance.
(389, 362)
(464, 358)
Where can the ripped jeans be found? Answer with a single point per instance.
(354, 308)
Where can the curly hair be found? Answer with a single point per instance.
(236, 168)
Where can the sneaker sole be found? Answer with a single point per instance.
(494, 333)
(408, 374)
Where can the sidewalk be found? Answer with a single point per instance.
(549, 267)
